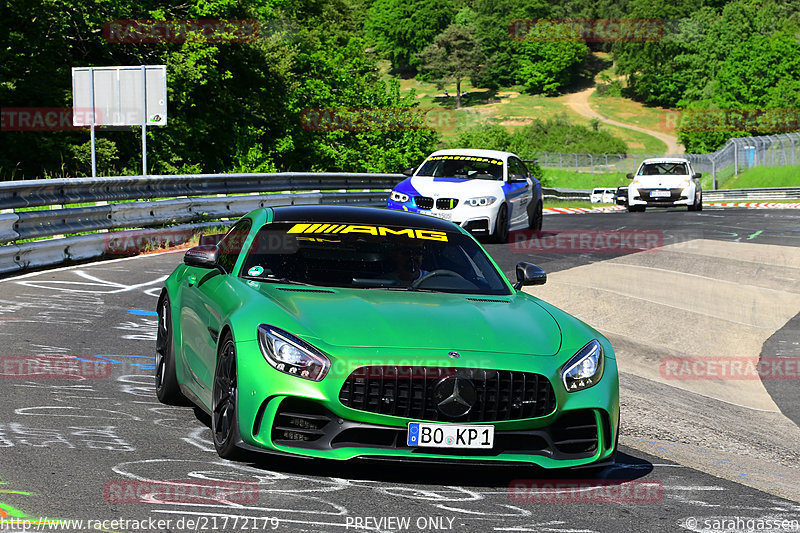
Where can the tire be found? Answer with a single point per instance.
(224, 419)
(500, 234)
(700, 203)
(535, 219)
(636, 208)
(167, 389)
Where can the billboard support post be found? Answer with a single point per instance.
(91, 98)
(144, 121)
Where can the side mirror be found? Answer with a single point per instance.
(529, 274)
(206, 256)
(697, 175)
(629, 176)
(409, 171)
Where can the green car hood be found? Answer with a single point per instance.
(404, 319)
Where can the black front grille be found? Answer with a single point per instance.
(408, 392)
(424, 202)
(674, 194)
(446, 203)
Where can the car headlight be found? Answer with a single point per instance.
(481, 201)
(584, 369)
(398, 197)
(291, 355)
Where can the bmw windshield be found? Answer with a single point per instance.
(371, 257)
(462, 166)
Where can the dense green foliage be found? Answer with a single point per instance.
(731, 66)
(717, 58)
(553, 135)
(233, 106)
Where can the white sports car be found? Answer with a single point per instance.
(486, 192)
(665, 182)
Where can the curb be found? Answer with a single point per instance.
(618, 208)
(581, 210)
(757, 205)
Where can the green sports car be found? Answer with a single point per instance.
(350, 332)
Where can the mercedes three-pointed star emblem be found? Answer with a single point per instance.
(455, 396)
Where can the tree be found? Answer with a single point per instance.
(454, 55)
(401, 29)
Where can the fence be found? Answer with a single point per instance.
(738, 154)
(37, 209)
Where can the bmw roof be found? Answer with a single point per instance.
(472, 152)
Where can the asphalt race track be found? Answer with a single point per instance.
(695, 454)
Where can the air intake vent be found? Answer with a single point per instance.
(489, 300)
(294, 289)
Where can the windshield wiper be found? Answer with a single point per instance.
(286, 281)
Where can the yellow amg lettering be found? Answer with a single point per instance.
(384, 231)
(372, 230)
(298, 228)
(431, 235)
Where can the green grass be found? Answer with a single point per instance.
(630, 112)
(765, 177)
(512, 108)
(566, 179)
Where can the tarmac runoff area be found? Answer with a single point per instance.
(681, 318)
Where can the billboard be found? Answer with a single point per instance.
(121, 96)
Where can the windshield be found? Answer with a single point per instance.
(371, 257)
(462, 166)
(663, 169)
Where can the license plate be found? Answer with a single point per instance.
(444, 216)
(660, 194)
(450, 436)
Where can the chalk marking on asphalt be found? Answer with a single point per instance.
(93, 281)
(84, 265)
(487, 516)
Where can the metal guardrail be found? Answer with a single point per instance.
(747, 195)
(178, 205)
(171, 209)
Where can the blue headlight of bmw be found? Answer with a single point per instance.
(481, 201)
(291, 355)
(584, 369)
(398, 197)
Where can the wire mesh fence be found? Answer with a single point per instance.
(738, 154)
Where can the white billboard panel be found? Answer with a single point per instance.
(117, 95)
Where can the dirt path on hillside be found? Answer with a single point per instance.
(579, 102)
